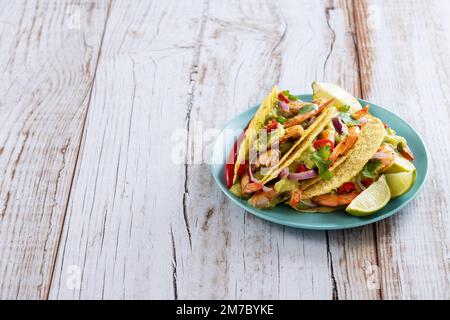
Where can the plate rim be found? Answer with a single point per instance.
(357, 223)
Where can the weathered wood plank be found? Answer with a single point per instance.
(125, 229)
(404, 51)
(136, 232)
(353, 253)
(47, 62)
(235, 255)
(194, 243)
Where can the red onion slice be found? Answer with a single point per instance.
(302, 175)
(359, 184)
(337, 124)
(283, 105)
(283, 173)
(253, 179)
(363, 120)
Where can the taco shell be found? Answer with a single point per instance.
(370, 139)
(251, 134)
(303, 143)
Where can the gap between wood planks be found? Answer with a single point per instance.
(356, 11)
(89, 95)
(359, 36)
(334, 293)
(357, 32)
(189, 105)
(190, 100)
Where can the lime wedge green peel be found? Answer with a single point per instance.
(372, 199)
(400, 183)
(400, 165)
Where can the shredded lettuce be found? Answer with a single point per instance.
(344, 108)
(391, 132)
(395, 140)
(236, 190)
(271, 114)
(307, 158)
(370, 170)
(285, 185)
(348, 120)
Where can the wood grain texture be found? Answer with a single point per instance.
(351, 253)
(404, 53)
(97, 99)
(134, 227)
(235, 255)
(47, 65)
(125, 228)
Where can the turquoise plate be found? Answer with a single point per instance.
(283, 214)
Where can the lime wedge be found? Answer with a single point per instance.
(332, 91)
(400, 164)
(400, 183)
(370, 200)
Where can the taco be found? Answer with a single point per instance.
(341, 189)
(331, 147)
(280, 126)
(340, 152)
(315, 157)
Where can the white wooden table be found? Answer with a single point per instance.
(91, 92)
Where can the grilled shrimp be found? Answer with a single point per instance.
(386, 155)
(335, 200)
(294, 107)
(296, 196)
(263, 199)
(294, 132)
(269, 158)
(321, 103)
(298, 119)
(360, 113)
(406, 152)
(346, 144)
(247, 186)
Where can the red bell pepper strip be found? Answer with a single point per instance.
(366, 182)
(283, 98)
(346, 188)
(301, 168)
(272, 125)
(406, 152)
(323, 142)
